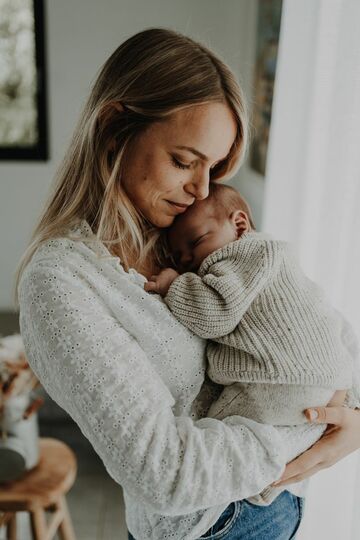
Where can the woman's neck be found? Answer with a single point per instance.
(147, 269)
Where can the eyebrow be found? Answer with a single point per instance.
(196, 152)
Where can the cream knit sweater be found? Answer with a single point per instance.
(276, 343)
(267, 321)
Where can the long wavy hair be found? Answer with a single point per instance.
(150, 76)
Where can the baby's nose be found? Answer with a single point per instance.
(186, 260)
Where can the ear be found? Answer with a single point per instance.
(110, 109)
(107, 112)
(241, 222)
(118, 106)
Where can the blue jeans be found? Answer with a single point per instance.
(242, 520)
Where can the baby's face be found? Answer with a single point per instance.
(197, 233)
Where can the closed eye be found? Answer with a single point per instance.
(217, 169)
(179, 164)
(198, 240)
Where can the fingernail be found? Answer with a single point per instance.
(313, 414)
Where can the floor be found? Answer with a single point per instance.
(95, 501)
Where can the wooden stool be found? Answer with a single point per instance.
(42, 488)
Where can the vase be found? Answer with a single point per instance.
(19, 439)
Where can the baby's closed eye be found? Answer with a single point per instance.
(199, 239)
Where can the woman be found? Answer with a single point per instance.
(165, 117)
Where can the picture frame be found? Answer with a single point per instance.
(267, 43)
(23, 99)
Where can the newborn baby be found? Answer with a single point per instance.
(275, 343)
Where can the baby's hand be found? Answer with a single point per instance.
(161, 283)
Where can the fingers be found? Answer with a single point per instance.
(330, 428)
(327, 415)
(324, 453)
(300, 466)
(340, 439)
(150, 286)
(338, 398)
(299, 477)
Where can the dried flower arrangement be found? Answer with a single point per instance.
(16, 378)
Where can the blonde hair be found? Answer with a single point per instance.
(150, 76)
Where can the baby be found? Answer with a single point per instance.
(275, 343)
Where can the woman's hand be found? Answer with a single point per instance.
(341, 437)
(160, 284)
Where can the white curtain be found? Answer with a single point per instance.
(312, 196)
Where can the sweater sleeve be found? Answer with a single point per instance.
(212, 303)
(95, 370)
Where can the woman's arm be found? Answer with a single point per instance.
(99, 374)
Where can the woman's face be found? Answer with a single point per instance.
(162, 177)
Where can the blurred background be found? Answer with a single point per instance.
(299, 65)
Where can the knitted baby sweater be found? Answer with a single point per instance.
(267, 321)
(276, 344)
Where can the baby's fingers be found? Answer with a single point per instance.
(151, 286)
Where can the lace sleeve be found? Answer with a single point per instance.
(93, 368)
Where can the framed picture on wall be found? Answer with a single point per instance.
(267, 40)
(23, 111)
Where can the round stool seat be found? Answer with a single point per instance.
(42, 488)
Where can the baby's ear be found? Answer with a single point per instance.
(241, 222)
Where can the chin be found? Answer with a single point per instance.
(162, 221)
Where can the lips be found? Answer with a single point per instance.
(179, 206)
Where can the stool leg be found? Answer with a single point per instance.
(11, 528)
(66, 531)
(38, 524)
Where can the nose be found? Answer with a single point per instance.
(198, 187)
(185, 260)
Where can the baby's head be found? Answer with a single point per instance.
(208, 225)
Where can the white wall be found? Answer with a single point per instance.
(80, 36)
